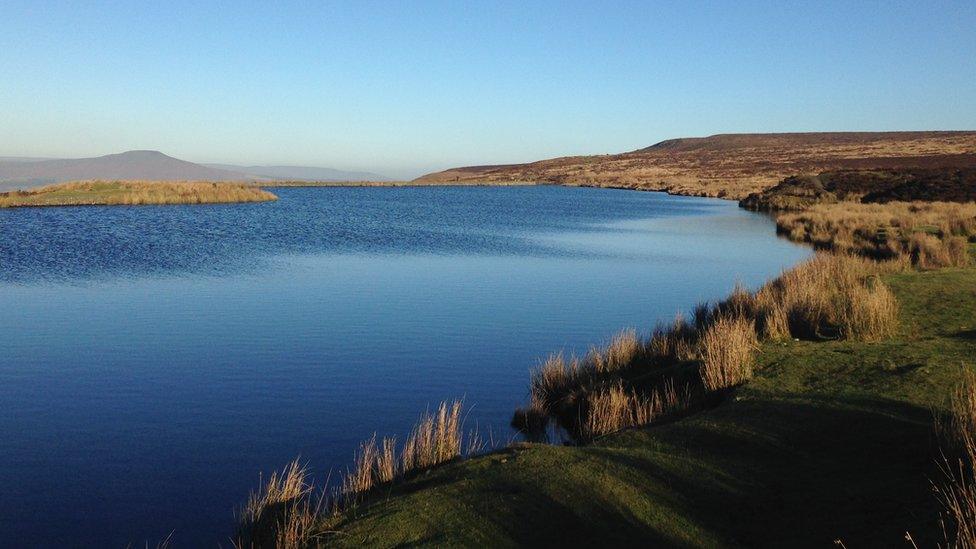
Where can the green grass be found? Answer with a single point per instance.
(831, 440)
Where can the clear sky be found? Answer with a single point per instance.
(405, 87)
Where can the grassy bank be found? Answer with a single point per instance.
(97, 193)
(831, 437)
(830, 440)
(798, 414)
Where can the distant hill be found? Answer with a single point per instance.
(300, 173)
(16, 172)
(136, 165)
(735, 165)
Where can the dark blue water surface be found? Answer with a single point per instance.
(156, 359)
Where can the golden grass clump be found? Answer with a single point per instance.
(827, 297)
(727, 349)
(435, 438)
(100, 193)
(932, 234)
(281, 513)
(617, 408)
(870, 311)
(957, 492)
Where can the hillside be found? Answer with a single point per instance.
(130, 165)
(300, 173)
(734, 165)
(16, 172)
(867, 186)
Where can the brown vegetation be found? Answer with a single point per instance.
(736, 165)
(634, 381)
(800, 192)
(929, 234)
(97, 193)
(283, 511)
(958, 490)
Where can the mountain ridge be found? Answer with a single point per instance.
(733, 165)
(147, 165)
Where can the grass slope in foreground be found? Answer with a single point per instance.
(101, 193)
(830, 440)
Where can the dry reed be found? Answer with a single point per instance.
(617, 408)
(727, 349)
(957, 492)
(281, 514)
(932, 234)
(829, 296)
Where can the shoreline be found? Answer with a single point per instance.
(357, 509)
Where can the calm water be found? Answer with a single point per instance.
(156, 359)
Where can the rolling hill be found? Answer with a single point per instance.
(734, 165)
(154, 166)
(300, 173)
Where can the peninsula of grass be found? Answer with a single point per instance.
(104, 193)
(831, 440)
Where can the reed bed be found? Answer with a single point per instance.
(957, 491)
(281, 514)
(931, 234)
(284, 512)
(100, 193)
(632, 380)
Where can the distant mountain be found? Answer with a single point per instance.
(145, 165)
(20, 172)
(300, 173)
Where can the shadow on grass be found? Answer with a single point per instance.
(966, 334)
(787, 471)
(803, 472)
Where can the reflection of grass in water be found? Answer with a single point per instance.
(134, 193)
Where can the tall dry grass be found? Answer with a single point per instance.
(830, 296)
(957, 492)
(727, 347)
(827, 297)
(90, 193)
(617, 407)
(930, 234)
(283, 513)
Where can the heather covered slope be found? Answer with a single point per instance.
(831, 440)
(868, 186)
(735, 165)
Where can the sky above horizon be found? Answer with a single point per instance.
(404, 88)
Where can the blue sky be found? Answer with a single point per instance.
(407, 87)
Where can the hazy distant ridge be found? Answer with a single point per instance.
(301, 173)
(155, 166)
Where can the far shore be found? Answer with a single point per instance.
(273, 184)
(111, 193)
